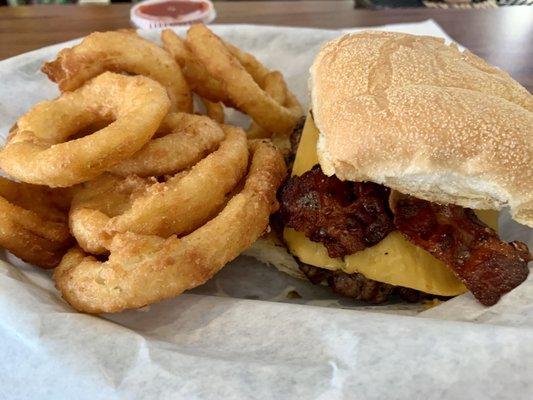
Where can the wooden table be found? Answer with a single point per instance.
(502, 36)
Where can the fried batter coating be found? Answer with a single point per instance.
(183, 140)
(33, 222)
(177, 206)
(119, 51)
(40, 149)
(241, 86)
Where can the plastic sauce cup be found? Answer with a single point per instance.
(161, 13)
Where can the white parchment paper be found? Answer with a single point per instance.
(241, 335)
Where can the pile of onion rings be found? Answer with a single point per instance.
(143, 269)
(130, 196)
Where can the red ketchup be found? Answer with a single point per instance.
(162, 13)
(172, 8)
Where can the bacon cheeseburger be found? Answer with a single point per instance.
(409, 149)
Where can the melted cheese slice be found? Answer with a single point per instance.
(394, 260)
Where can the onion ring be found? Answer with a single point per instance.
(196, 75)
(240, 86)
(215, 111)
(251, 64)
(272, 82)
(119, 52)
(211, 89)
(187, 200)
(95, 202)
(275, 86)
(191, 138)
(38, 151)
(33, 223)
(144, 269)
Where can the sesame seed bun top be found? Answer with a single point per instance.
(426, 119)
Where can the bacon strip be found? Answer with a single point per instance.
(344, 216)
(487, 266)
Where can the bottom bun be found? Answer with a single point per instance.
(270, 251)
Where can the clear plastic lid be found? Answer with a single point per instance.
(160, 13)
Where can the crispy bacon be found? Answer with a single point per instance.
(345, 216)
(487, 266)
